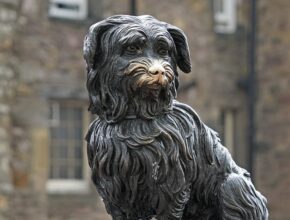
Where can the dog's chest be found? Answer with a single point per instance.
(148, 158)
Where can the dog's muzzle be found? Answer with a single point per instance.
(153, 74)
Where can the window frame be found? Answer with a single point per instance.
(71, 186)
(229, 123)
(63, 13)
(225, 20)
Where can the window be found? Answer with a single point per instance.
(68, 171)
(54, 114)
(228, 131)
(68, 9)
(225, 16)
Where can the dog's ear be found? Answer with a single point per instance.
(183, 55)
(92, 55)
(92, 43)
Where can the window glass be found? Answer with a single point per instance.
(66, 152)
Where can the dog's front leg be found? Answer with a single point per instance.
(167, 217)
(176, 207)
(114, 211)
(118, 216)
(170, 215)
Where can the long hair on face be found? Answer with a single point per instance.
(110, 91)
(147, 99)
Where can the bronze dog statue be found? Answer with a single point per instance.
(150, 155)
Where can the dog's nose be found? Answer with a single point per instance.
(157, 69)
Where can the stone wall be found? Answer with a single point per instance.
(273, 106)
(8, 81)
(41, 59)
(49, 65)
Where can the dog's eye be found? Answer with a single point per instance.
(133, 49)
(163, 51)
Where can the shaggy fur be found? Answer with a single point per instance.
(149, 154)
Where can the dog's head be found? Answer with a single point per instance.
(132, 66)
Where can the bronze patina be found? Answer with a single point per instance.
(150, 155)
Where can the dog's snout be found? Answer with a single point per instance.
(156, 69)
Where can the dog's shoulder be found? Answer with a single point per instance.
(184, 110)
(192, 117)
(92, 126)
(208, 139)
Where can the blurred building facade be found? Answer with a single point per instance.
(43, 100)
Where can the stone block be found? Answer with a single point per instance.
(3, 203)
